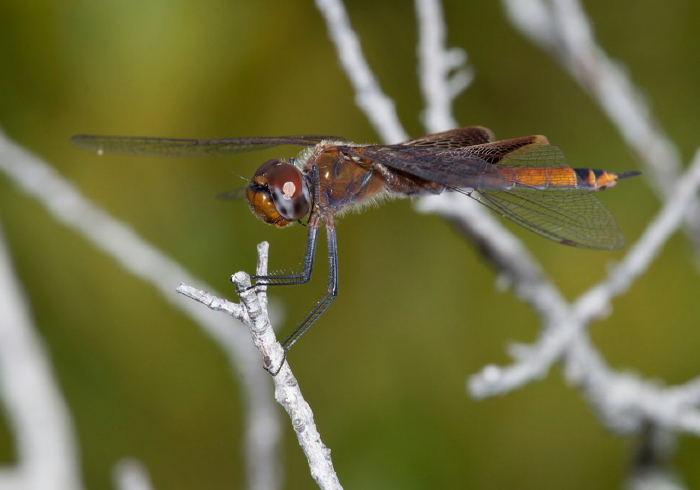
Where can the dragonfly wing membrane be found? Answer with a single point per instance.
(565, 214)
(174, 147)
(452, 168)
(455, 138)
(571, 217)
(521, 152)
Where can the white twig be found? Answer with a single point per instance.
(378, 107)
(37, 415)
(39, 180)
(443, 73)
(667, 408)
(562, 28)
(252, 312)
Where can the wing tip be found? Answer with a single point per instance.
(540, 139)
(87, 142)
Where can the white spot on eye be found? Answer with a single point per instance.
(100, 152)
(288, 190)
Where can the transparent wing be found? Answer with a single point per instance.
(571, 217)
(172, 147)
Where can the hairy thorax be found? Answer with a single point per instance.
(347, 182)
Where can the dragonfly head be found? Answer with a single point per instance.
(278, 193)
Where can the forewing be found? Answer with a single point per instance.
(454, 138)
(172, 147)
(462, 166)
(452, 168)
(528, 151)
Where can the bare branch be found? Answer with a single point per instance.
(253, 313)
(443, 73)
(369, 96)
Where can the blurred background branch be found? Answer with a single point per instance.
(47, 451)
(561, 28)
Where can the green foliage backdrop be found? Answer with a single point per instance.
(418, 310)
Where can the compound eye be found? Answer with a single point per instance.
(267, 166)
(288, 190)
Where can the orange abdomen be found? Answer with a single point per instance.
(559, 177)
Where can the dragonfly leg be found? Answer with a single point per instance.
(302, 277)
(330, 295)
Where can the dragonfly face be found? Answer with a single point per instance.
(526, 180)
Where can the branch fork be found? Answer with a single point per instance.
(252, 311)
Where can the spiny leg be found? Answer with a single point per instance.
(326, 301)
(305, 275)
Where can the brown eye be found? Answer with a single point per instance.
(260, 202)
(288, 190)
(267, 166)
(278, 193)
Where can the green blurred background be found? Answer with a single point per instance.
(418, 309)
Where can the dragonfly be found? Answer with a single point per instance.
(526, 180)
